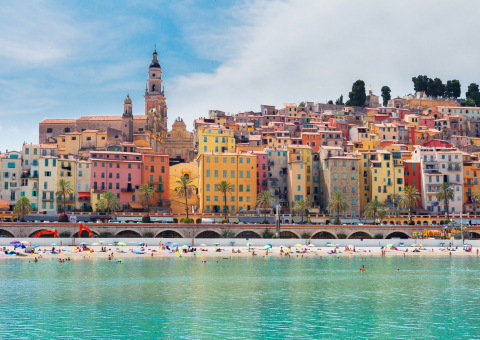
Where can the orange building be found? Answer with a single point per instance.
(156, 173)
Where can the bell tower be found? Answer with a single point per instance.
(155, 106)
(127, 120)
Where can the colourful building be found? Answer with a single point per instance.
(156, 173)
(215, 139)
(237, 169)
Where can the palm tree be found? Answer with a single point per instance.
(445, 192)
(64, 188)
(410, 198)
(374, 209)
(302, 205)
(109, 201)
(185, 188)
(337, 204)
(264, 200)
(224, 187)
(23, 207)
(145, 193)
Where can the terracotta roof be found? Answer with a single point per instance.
(48, 146)
(100, 118)
(58, 121)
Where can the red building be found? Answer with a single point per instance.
(156, 173)
(402, 113)
(437, 143)
(413, 176)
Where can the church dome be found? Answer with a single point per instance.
(128, 100)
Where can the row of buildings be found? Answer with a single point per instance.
(308, 151)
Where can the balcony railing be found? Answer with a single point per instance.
(454, 168)
(127, 190)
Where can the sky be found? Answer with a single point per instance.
(67, 59)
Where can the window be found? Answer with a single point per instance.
(224, 173)
(216, 173)
(248, 187)
(248, 173)
(299, 188)
(232, 173)
(208, 173)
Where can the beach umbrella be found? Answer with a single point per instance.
(175, 245)
(389, 245)
(132, 242)
(269, 245)
(94, 244)
(25, 242)
(217, 244)
(185, 247)
(330, 245)
(36, 246)
(121, 244)
(54, 244)
(203, 245)
(168, 243)
(14, 242)
(311, 245)
(249, 244)
(298, 245)
(82, 244)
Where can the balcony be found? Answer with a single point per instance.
(66, 167)
(274, 184)
(127, 190)
(454, 168)
(283, 173)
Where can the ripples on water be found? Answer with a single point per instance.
(242, 298)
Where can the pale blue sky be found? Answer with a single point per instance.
(65, 59)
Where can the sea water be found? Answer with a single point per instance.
(241, 298)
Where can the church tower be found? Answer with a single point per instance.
(127, 120)
(155, 106)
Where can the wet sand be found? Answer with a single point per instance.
(129, 251)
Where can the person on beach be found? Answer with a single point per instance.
(36, 260)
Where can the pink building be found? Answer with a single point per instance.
(118, 172)
(262, 170)
(426, 121)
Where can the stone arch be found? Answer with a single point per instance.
(419, 222)
(208, 234)
(474, 235)
(198, 221)
(39, 230)
(168, 233)
(425, 222)
(287, 234)
(385, 222)
(327, 222)
(175, 220)
(85, 234)
(405, 222)
(324, 235)
(360, 234)
(5, 233)
(248, 234)
(434, 222)
(128, 233)
(397, 234)
(287, 221)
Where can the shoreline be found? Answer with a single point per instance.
(125, 252)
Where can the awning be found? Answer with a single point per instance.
(4, 205)
(84, 194)
(234, 219)
(135, 205)
(349, 220)
(317, 220)
(162, 218)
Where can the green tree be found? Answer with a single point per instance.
(374, 209)
(358, 95)
(225, 188)
(473, 93)
(445, 193)
(337, 203)
(469, 102)
(453, 89)
(146, 193)
(185, 189)
(23, 207)
(386, 95)
(64, 188)
(302, 104)
(108, 202)
(410, 198)
(420, 83)
(264, 200)
(437, 88)
(302, 205)
(330, 102)
(339, 101)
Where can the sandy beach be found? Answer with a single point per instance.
(134, 251)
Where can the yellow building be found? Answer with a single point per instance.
(296, 182)
(386, 178)
(364, 179)
(240, 170)
(80, 143)
(177, 204)
(371, 144)
(66, 170)
(303, 153)
(215, 139)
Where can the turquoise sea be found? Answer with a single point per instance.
(241, 298)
